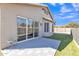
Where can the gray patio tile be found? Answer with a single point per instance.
(36, 47)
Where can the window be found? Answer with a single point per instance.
(45, 11)
(46, 27)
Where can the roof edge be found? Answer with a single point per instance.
(33, 4)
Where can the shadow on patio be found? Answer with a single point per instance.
(64, 38)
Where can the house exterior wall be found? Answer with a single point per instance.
(9, 26)
(0, 27)
(9, 13)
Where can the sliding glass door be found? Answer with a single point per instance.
(27, 28)
(33, 28)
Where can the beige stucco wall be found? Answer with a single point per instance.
(8, 20)
(0, 27)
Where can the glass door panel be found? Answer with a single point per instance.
(21, 28)
(36, 29)
(30, 28)
(46, 27)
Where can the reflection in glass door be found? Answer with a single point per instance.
(21, 28)
(36, 29)
(30, 28)
(27, 28)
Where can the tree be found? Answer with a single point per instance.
(69, 25)
(72, 25)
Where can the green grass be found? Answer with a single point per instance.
(67, 46)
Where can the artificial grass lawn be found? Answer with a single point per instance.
(67, 46)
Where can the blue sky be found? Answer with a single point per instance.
(64, 12)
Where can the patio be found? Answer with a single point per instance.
(35, 47)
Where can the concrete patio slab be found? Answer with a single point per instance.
(36, 47)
